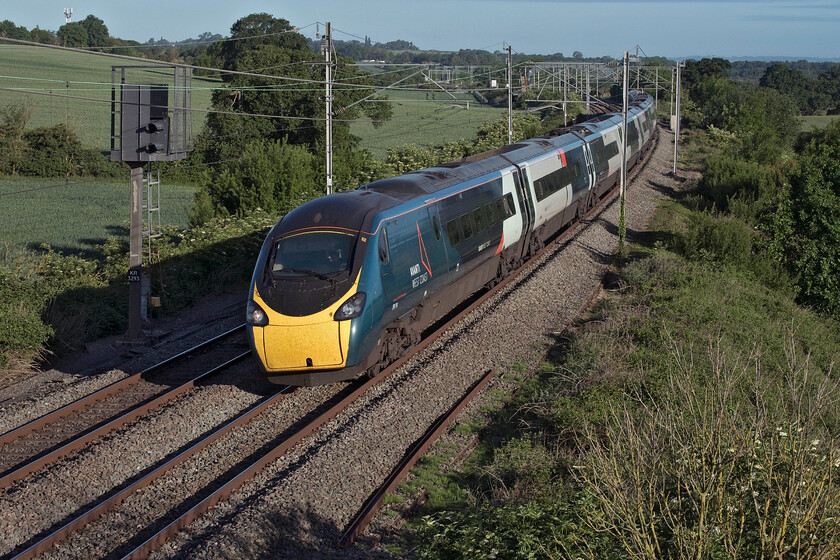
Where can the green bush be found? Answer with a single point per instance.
(717, 238)
(21, 327)
(53, 301)
(805, 227)
(536, 530)
(54, 151)
(741, 187)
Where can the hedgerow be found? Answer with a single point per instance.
(58, 302)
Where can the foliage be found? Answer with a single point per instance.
(696, 71)
(20, 326)
(73, 35)
(45, 152)
(269, 174)
(792, 82)
(61, 301)
(762, 120)
(728, 179)
(12, 31)
(536, 530)
(713, 468)
(806, 226)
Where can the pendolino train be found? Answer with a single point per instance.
(345, 283)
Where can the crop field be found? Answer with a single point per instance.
(76, 216)
(820, 122)
(75, 88)
(426, 119)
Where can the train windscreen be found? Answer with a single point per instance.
(321, 253)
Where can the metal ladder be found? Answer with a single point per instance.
(151, 205)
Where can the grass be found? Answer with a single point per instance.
(75, 88)
(426, 119)
(77, 216)
(818, 122)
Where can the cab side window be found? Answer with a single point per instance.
(384, 254)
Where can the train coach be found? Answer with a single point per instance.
(346, 283)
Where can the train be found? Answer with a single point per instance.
(346, 283)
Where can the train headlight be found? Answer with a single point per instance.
(255, 315)
(351, 308)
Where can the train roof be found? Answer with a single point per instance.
(433, 179)
(349, 210)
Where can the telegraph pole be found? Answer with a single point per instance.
(328, 98)
(622, 226)
(677, 125)
(510, 94)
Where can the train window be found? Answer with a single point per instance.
(466, 225)
(452, 231)
(436, 225)
(509, 207)
(490, 214)
(383, 247)
(556, 180)
(499, 205)
(478, 218)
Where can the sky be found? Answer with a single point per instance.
(675, 29)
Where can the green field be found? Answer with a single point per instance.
(77, 216)
(426, 119)
(75, 88)
(819, 122)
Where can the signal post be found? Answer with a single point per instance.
(147, 125)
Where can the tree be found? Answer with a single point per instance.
(696, 70)
(788, 81)
(43, 36)
(12, 31)
(277, 97)
(812, 214)
(577, 55)
(829, 89)
(762, 120)
(97, 33)
(73, 34)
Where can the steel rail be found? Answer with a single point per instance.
(80, 439)
(102, 393)
(100, 509)
(28, 467)
(374, 502)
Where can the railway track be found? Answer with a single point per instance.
(29, 448)
(307, 424)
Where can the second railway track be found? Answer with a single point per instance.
(27, 448)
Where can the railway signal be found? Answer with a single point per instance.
(147, 125)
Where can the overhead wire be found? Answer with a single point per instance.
(152, 63)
